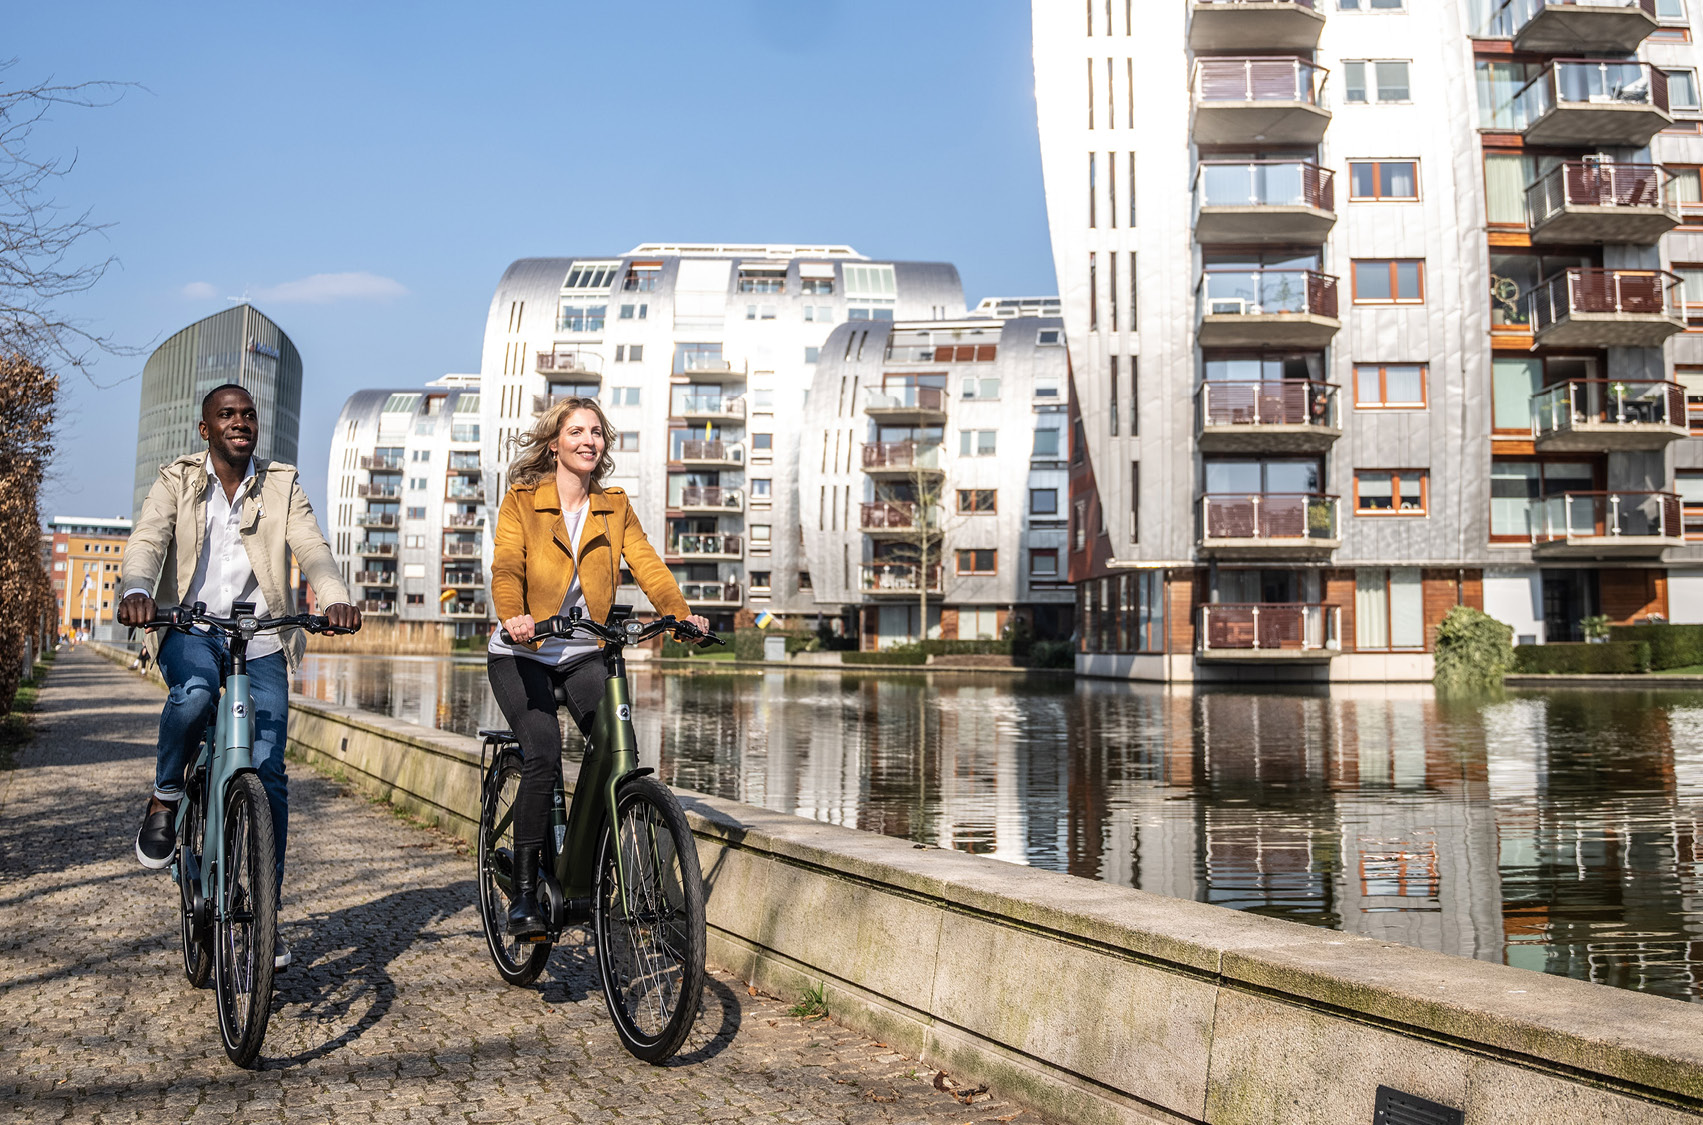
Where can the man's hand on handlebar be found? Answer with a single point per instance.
(137, 609)
(343, 616)
(519, 630)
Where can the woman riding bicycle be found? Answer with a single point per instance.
(560, 539)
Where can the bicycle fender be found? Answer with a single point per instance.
(630, 774)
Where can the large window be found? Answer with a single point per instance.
(1689, 484)
(1390, 386)
(1043, 562)
(977, 560)
(978, 443)
(1391, 492)
(1383, 179)
(582, 316)
(1513, 382)
(977, 501)
(1043, 501)
(1518, 486)
(1682, 91)
(1389, 281)
(1691, 292)
(1389, 608)
(1046, 443)
(1504, 100)
(1375, 80)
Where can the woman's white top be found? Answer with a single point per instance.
(555, 650)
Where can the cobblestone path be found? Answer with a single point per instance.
(392, 1012)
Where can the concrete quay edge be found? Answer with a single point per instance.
(1645, 681)
(1175, 1011)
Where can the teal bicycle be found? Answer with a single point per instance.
(225, 871)
(619, 853)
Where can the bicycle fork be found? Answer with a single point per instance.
(230, 752)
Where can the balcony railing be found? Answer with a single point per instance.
(889, 515)
(461, 550)
(378, 491)
(375, 607)
(710, 593)
(901, 456)
(1653, 294)
(464, 609)
(930, 400)
(1280, 517)
(1265, 183)
(1276, 627)
(570, 362)
(708, 406)
(1592, 101)
(1228, 292)
(1607, 516)
(375, 578)
(376, 550)
(464, 493)
(1582, 183)
(1293, 402)
(897, 578)
(457, 579)
(377, 519)
(705, 544)
(1580, 403)
(1232, 80)
(465, 519)
(386, 464)
(712, 496)
(724, 452)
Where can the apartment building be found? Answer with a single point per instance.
(406, 514)
(1374, 307)
(933, 472)
(84, 553)
(703, 356)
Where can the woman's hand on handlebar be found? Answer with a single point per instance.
(519, 629)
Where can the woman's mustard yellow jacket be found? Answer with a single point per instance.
(532, 563)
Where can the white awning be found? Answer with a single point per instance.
(816, 269)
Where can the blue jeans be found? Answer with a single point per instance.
(191, 663)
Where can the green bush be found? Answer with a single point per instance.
(1671, 646)
(966, 648)
(1473, 650)
(1051, 654)
(1020, 635)
(1613, 658)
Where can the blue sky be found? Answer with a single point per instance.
(364, 172)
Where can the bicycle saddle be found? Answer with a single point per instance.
(499, 735)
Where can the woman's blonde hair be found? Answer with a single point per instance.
(535, 460)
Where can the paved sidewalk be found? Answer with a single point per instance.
(392, 1012)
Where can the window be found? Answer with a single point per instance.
(1383, 179)
(1689, 484)
(401, 404)
(812, 355)
(1391, 492)
(1043, 562)
(1371, 5)
(977, 560)
(420, 455)
(978, 624)
(623, 396)
(976, 501)
(642, 277)
(1517, 488)
(417, 482)
(987, 388)
(414, 599)
(759, 580)
(591, 275)
(1046, 443)
(579, 316)
(1670, 11)
(762, 279)
(1390, 386)
(1079, 525)
(1043, 501)
(1049, 337)
(1691, 379)
(821, 286)
(760, 489)
(1682, 91)
(416, 513)
(760, 533)
(804, 582)
(466, 432)
(1513, 382)
(1389, 608)
(627, 441)
(414, 542)
(635, 352)
(977, 443)
(763, 443)
(1046, 386)
(627, 312)
(1389, 281)
(1686, 189)
(1389, 80)
(1691, 291)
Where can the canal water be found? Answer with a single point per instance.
(1556, 831)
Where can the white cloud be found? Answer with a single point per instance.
(199, 291)
(323, 288)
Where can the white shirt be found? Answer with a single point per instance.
(556, 650)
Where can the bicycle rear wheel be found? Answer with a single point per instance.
(519, 962)
(650, 948)
(192, 924)
(246, 921)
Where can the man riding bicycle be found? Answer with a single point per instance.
(219, 527)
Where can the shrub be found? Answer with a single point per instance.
(1052, 654)
(827, 641)
(1671, 646)
(1613, 658)
(1473, 650)
(891, 656)
(966, 648)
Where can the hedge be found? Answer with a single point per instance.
(910, 658)
(966, 648)
(1613, 658)
(1671, 646)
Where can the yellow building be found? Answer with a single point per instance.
(84, 565)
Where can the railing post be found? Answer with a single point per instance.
(1614, 510)
(1257, 525)
(1256, 626)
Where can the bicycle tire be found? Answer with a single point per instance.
(246, 922)
(518, 962)
(650, 957)
(191, 845)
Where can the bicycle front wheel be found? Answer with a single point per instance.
(192, 852)
(519, 962)
(246, 921)
(650, 941)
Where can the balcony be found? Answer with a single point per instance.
(459, 579)
(704, 408)
(1269, 631)
(1591, 415)
(724, 454)
(711, 594)
(464, 609)
(710, 498)
(919, 405)
(902, 459)
(374, 607)
(379, 491)
(375, 550)
(886, 519)
(1269, 525)
(375, 578)
(1254, 25)
(377, 519)
(386, 464)
(897, 579)
(1607, 525)
(1269, 101)
(1609, 27)
(571, 363)
(706, 546)
(1588, 201)
(453, 550)
(707, 367)
(1267, 309)
(1292, 416)
(464, 493)
(1263, 202)
(1595, 308)
(1593, 102)
(465, 519)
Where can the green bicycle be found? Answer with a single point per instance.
(619, 851)
(227, 881)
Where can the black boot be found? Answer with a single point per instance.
(526, 918)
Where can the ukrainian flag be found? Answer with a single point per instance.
(765, 619)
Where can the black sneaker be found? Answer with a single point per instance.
(156, 840)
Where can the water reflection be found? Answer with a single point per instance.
(1554, 831)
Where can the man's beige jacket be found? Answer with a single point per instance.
(277, 520)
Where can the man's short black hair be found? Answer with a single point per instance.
(207, 398)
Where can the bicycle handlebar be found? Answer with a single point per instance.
(620, 635)
(182, 617)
